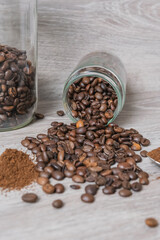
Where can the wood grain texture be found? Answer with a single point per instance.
(67, 31)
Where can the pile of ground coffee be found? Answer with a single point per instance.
(155, 154)
(16, 170)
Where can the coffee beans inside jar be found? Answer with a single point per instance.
(92, 99)
(17, 87)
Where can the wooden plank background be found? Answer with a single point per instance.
(67, 30)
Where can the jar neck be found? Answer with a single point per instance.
(99, 72)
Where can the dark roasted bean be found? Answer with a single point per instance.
(125, 193)
(88, 198)
(109, 190)
(30, 197)
(91, 189)
(144, 153)
(59, 188)
(60, 113)
(57, 203)
(136, 186)
(73, 186)
(57, 175)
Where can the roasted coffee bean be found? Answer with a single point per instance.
(39, 115)
(57, 175)
(68, 173)
(151, 222)
(144, 153)
(144, 181)
(135, 146)
(42, 180)
(108, 190)
(91, 189)
(125, 193)
(145, 142)
(136, 186)
(78, 179)
(44, 174)
(124, 166)
(117, 184)
(126, 185)
(88, 198)
(143, 175)
(40, 166)
(48, 188)
(57, 203)
(79, 124)
(132, 175)
(137, 158)
(30, 197)
(60, 113)
(59, 188)
(73, 186)
(25, 142)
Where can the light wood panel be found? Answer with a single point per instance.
(67, 31)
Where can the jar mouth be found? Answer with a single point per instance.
(100, 72)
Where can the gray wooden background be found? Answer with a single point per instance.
(67, 30)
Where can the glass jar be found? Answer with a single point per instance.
(18, 59)
(99, 65)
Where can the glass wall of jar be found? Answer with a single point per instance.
(96, 89)
(18, 59)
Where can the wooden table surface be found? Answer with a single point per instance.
(67, 31)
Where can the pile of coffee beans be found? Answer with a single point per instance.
(91, 98)
(17, 87)
(103, 156)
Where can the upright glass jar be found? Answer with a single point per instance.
(18, 59)
(103, 66)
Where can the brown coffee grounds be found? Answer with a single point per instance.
(155, 154)
(16, 170)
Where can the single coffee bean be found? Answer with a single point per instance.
(75, 186)
(137, 158)
(44, 174)
(144, 153)
(136, 186)
(91, 189)
(25, 143)
(39, 115)
(145, 142)
(60, 113)
(144, 181)
(125, 193)
(88, 198)
(126, 185)
(42, 180)
(57, 203)
(143, 175)
(132, 175)
(108, 190)
(78, 179)
(79, 124)
(48, 188)
(30, 197)
(151, 222)
(59, 188)
(57, 175)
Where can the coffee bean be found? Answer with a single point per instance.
(108, 190)
(151, 222)
(59, 188)
(39, 115)
(60, 113)
(91, 189)
(30, 197)
(57, 175)
(42, 180)
(78, 179)
(144, 153)
(44, 174)
(124, 166)
(57, 203)
(79, 124)
(125, 193)
(75, 186)
(126, 185)
(25, 143)
(132, 175)
(88, 198)
(48, 188)
(145, 142)
(144, 181)
(143, 175)
(135, 146)
(117, 184)
(136, 186)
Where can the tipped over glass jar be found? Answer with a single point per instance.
(95, 91)
(18, 58)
